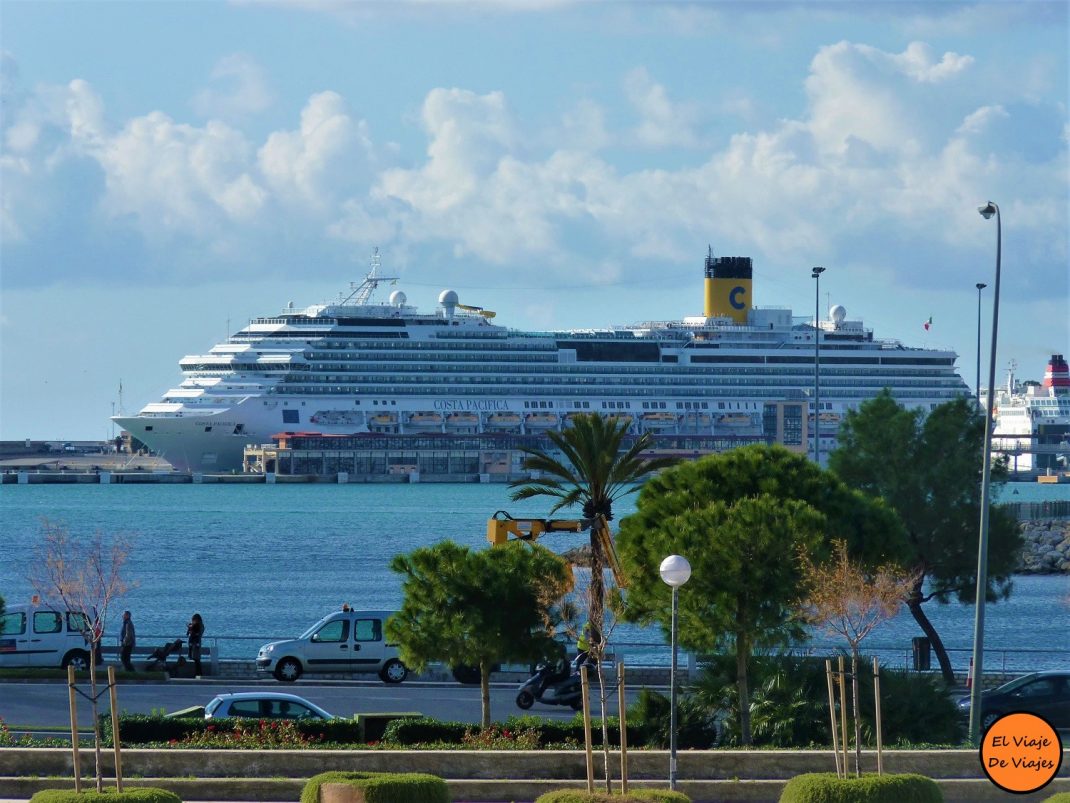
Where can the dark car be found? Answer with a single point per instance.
(1046, 694)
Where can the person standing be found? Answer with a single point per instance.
(127, 641)
(194, 631)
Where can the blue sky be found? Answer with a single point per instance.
(171, 169)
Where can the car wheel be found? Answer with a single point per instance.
(988, 719)
(394, 671)
(79, 659)
(525, 700)
(288, 670)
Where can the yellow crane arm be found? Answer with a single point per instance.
(501, 526)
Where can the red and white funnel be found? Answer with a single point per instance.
(1057, 376)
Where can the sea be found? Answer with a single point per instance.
(262, 562)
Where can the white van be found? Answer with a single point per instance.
(43, 635)
(344, 641)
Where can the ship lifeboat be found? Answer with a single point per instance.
(658, 420)
(383, 422)
(336, 417)
(621, 417)
(462, 420)
(696, 420)
(830, 418)
(503, 420)
(735, 420)
(540, 420)
(425, 419)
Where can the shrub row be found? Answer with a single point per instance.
(383, 787)
(826, 787)
(146, 794)
(143, 728)
(426, 730)
(1059, 797)
(638, 795)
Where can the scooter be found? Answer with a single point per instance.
(565, 691)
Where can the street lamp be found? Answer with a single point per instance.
(816, 274)
(986, 211)
(980, 286)
(675, 571)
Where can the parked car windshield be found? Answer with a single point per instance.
(1016, 683)
(308, 633)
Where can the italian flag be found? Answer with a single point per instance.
(928, 323)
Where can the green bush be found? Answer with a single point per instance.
(789, 703)
(1060, 797)
(146, 794)
(427, 730)
(144, 728)
(383, 787)
(651, 715)
(580, 796)
(825, 787)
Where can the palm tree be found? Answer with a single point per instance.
(595, 472)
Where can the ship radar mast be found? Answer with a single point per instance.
(361, 293)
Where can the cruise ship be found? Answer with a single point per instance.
(1032, 420)
(360, 366)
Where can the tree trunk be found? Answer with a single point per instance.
(744, 693)
(605, 724)
(484, 691)
(857, 711)
(96, 717)
(914, 605)
(597, 590)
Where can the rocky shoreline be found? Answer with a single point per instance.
(1047, 547)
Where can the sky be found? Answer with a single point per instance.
(171, 169)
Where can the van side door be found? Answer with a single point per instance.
(14, 639)
(368, 645)
(328, 649)
(47, 640)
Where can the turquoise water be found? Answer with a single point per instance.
(266, 561)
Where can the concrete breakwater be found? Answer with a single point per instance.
(1047, 547)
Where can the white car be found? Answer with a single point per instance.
(263, 705)
(43, 635)
(344, 641)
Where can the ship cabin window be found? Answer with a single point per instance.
(207, 429)
(148, 428)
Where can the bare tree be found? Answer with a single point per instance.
(850, 600)
(84, 577)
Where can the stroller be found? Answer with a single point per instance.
(158, 657)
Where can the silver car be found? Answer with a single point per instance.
(343, 641)
(263, 705)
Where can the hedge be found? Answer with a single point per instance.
(1059, 797)
(144, 728)
(825, 787)
(383, 787)
(145, 794)
(425, 730)
(578, 796)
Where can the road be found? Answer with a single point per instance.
(45, 703)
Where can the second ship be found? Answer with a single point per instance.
(738, 371)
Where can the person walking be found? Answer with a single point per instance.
(194, 631)
(127, 641)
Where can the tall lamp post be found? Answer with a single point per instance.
(816, 274)
(986, 211)
(675, 571)
(980, 286)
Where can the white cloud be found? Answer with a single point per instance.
(238, 88)
(662, 122)
(978, 120)
(302, 166)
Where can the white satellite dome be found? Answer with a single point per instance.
(448, 300)
(838, 313)
(398, 298)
